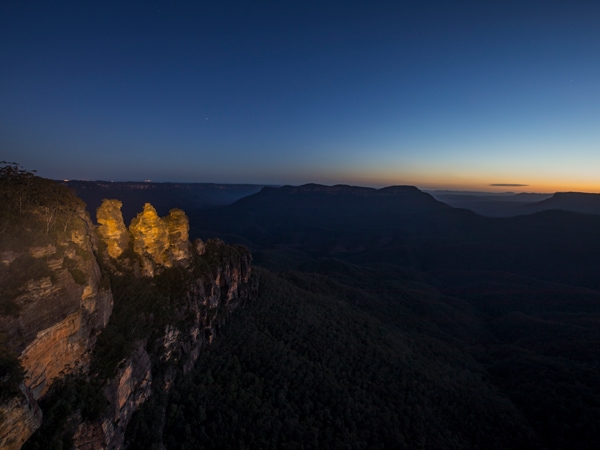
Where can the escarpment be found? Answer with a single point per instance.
(100, 319)
(55, 300)
(62, 302)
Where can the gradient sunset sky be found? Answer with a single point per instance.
(437, 94)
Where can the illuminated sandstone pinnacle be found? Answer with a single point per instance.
(159, 242)
(112, 228)
(178, 227)
(150, 236)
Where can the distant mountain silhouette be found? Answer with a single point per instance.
(491, 205)
(405, 226)
(509, 205)
(328, 219)
(568, 201)
(163, 196)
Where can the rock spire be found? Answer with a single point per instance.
(157, 242)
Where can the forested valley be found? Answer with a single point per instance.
(344, 356)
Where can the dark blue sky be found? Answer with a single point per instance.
(456, 94)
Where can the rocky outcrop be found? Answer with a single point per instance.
(157, 242)
(178, 228)
(217, 282)
(112, 228)
(150, 239)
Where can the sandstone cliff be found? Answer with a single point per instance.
(55, 301)
(101, 322)
(62, 307)
(125, 392)
(182, 312)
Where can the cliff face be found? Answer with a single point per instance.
(129, 389)
(209, 299)
(124, 331)
(220, 282)
(60, 304)
(60, 316)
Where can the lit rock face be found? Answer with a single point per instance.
(54, 348)
(160, 242)
(112, 228)
(150, 239)
(178, 227)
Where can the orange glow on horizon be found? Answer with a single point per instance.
(466, 182)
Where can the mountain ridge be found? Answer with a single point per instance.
(580, 202)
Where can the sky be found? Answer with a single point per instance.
(474, 95)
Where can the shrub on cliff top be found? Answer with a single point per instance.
(34, 210)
